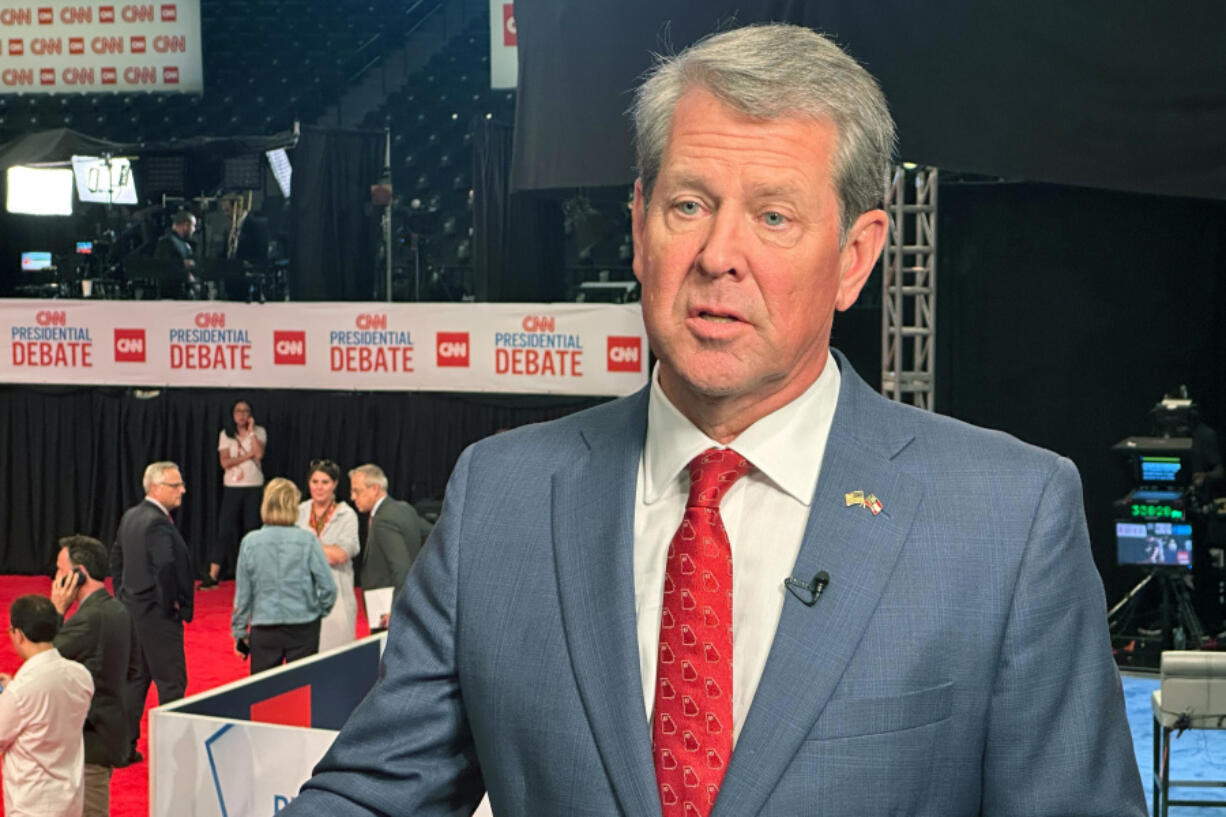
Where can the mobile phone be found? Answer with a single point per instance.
(81, 577)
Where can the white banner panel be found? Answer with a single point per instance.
(504, 45)
(576, 349)
(61, 46)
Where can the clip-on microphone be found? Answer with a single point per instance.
(808, 592)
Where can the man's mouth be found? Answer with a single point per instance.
(711, 316)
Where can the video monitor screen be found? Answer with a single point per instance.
(1154, 543)
(1160, 470)
(35, 261)
(85, 247)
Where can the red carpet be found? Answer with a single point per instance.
(210, 662)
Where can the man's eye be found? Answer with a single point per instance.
(774, 219)
(688, 208)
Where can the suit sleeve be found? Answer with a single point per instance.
(160, 545)
(116, 567)
(426, 765)
(400, 538)
(1058, 742)
(78, 642)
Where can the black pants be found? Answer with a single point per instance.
(240, 513)
(161, 659)
(274, 644)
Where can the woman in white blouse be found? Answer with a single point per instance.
(335, 524)
(240, 448)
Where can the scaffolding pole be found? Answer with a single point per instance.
(908, 281)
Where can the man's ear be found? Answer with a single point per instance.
(638, 218)
(859, 255)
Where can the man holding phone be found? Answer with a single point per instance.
(101, 636)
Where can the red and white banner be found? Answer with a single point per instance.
(580, 349)
(504, 45)
(60, 46)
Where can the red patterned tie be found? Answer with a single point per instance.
(692, 724)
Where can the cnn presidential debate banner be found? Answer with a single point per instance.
(61, 46)
(571, 349)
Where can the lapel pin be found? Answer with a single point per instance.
(873, 504)
(854, 498)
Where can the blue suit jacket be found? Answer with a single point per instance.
(958, 663)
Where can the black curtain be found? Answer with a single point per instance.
(1064, 314)
(517, 237)
(1125, 95)
(71, 459)
(335, 238)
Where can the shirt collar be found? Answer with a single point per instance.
(159, 504)
(379, 502)
(786, 445)
(43, 657)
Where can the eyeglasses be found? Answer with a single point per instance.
(171, 484)
(321, 465)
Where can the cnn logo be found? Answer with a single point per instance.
(129, 345)
(452, 348)
(289, 348)
(625, 353)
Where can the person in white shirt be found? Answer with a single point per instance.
(42, 711)
(240, 448)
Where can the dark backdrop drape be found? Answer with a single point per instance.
(1123, 94)
(335, 233)
(1064, 314)
(517, 237)
(71, 460)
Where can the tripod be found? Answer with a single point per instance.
(1177, 610)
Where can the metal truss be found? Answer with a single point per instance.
(908, 287)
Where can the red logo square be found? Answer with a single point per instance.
(109, 76)
(137, 44)
(16, 48)
(45, 16)
(170, 12)
(129, 345)
(452, 348)
(625, 353)
(46, 76)
(76, 45)
(106, 14)
(510, 35)
(170, 75)
(289, 348)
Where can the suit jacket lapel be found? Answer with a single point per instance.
(813, 645)
(593, 525)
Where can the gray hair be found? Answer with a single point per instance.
(154, 472)
(373, 475)
(772, 71)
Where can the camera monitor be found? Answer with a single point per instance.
(1161, 544)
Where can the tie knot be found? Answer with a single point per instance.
(712, 473)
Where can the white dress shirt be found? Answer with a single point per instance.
(764, 513)
(42, 713)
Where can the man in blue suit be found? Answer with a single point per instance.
(940, 647)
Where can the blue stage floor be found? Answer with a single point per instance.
(1199, 755)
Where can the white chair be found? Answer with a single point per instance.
(1192, 696)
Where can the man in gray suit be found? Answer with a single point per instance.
(394, 536)
(914, 625)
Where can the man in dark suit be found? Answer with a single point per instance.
(152, 573)
(175, 247)
(394, 534)
(755, 588)
(101, 636)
